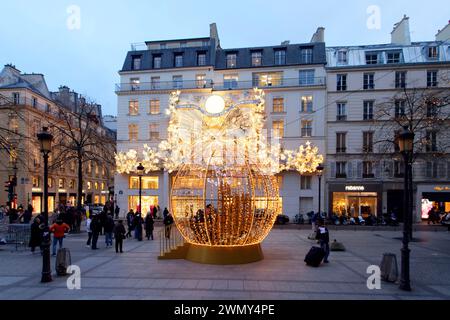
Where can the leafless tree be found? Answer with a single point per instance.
(425, 112)
(79, 137)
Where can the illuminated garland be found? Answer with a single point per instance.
(237, 134)
(305, 160)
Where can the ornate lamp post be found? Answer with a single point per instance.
(45, 140)
(140, 172)
(406, 145)
(319, 171)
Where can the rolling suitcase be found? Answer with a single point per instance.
(314, 257)
(63, 261)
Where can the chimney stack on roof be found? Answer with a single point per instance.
(319, 35)
(444, 34)
(214, 34)
(401, 34)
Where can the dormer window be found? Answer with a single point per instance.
(178, 60)
(231, 60)
(342, 57)
(256, 58)
(280, 57)
(394, 57)
(433, 52)
(201, 59)
(156, 62)
(372, 58)
(136, 63)
(306, 55)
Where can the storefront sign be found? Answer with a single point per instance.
(36, 190)
(442, 188)
(354, 188)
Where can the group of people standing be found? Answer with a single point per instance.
(19, 215)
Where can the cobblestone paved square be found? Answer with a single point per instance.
(138, 274)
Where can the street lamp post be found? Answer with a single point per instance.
(140, 172)
(15, 169)
(45, 140)
(319, 170)
(406, 146)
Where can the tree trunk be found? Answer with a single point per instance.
(80, 182)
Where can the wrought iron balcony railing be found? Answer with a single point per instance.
(226, 85)
(164, 85)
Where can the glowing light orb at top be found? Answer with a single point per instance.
(215, 104)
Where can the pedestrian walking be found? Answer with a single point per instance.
(155, 212)
(119, 235)
(323, 236)
(28, 215)
(168, 221)
(89, 231)
(165, 213)
(149, 222)
(117, 211)
(59, 230)
(95, 227)
(137, 224)
(36, 235)
(2, 212)
(130, 218)
(109, 228)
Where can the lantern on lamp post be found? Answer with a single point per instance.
(405, 141)
(45, 141)
(319, 171)
(140, 172)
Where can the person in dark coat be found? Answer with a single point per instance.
(155, 212)
(13, 216)
(130, 218)
(28, 214)
(109, 228)
(117, 212)
(96, 226)
(165, 213)
(324, 239)
(36, 234)
(168, 221)
(119, 235)
(137, 224)
(149, 222)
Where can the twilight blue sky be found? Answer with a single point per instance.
(34, 34)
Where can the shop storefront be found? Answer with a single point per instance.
(147, 203)
(355, 199)
(433, 196)
(72, 200)
(51, 202)
(62, 198)
(36, 202)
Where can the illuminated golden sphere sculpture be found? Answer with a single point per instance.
(225, 204)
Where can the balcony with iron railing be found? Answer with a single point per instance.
(226, 85)
(164, 85)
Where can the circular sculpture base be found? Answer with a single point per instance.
(224, 255)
